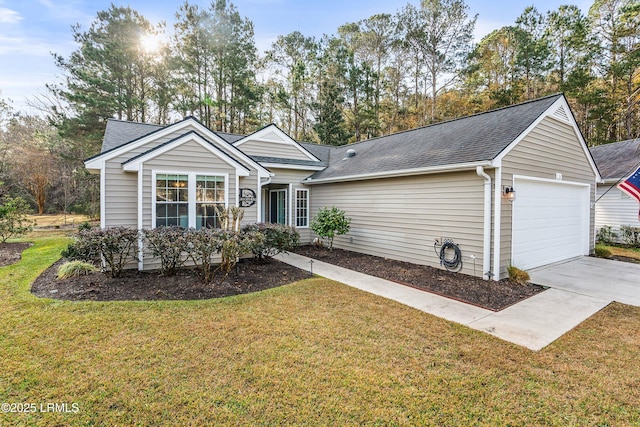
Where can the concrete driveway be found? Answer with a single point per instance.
(594, 277)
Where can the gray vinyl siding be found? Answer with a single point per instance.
(272, 149)
(615, 208)
(121, 197)
(188, 157)
(286, 176)
(551, 147)
(400, 218)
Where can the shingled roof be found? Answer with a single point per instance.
(120, 132)
(618, 159)
(480, 137)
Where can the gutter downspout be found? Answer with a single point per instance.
(486, 256)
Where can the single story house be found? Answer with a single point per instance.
(453, 181)
(616, 161)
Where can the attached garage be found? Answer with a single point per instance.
(550, 221)
(452, 180)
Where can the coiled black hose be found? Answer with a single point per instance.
(451, 264)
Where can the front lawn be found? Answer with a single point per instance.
(313, 352)
(633, 253)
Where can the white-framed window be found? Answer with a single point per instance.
(302, 208)
(188, 200)
(172, 200)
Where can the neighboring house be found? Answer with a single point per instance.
(448, 181)
(616, 162)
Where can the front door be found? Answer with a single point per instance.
(278, 206)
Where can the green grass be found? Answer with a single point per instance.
(628, 252)
(313, 352)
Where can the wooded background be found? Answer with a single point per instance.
(381, 75)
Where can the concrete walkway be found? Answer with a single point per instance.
(533, 323)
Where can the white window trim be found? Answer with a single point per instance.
(192, 192)
(295, 197)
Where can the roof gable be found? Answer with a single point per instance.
(186, 125)
(259, 142)
(134, 163)
(561, 111)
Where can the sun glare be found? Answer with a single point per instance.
(150, 43)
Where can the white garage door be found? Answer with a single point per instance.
(550, 222)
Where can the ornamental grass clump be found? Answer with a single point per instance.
(601, 251)
(521, 277)
(75, 269)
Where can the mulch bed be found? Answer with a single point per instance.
(473, 290)
(137, 285)
(10, 253)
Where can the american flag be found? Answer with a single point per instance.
(631, 186)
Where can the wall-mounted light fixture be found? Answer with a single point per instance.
(509, 193)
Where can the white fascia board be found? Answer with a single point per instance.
(404, 172)
(133, 166)
(95, 162)
(290, 166)
(560, 102)
(286, 139)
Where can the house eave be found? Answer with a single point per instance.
(290, 166)
(404, 172)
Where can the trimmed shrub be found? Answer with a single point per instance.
(601, 251)
(74, 269)
(83, 248)
(13, 218)
(519, 276)
(170, 245)
(116, 246)
(606, 235)
(267, 240)
(630, 235)
(202, 246)
(329, 223)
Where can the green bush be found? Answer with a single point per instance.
(267, 240)
(74, 269)
(329, 223)
(601, 251)
(170, 244)
(84, 226)
(13, 218)
(202, 246)
(606, 235)
(116, 246)
(519, 276)
(630, 235)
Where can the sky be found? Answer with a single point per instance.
(31, 30)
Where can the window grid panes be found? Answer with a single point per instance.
(209, 194)
(172, 200)
(302, 208)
